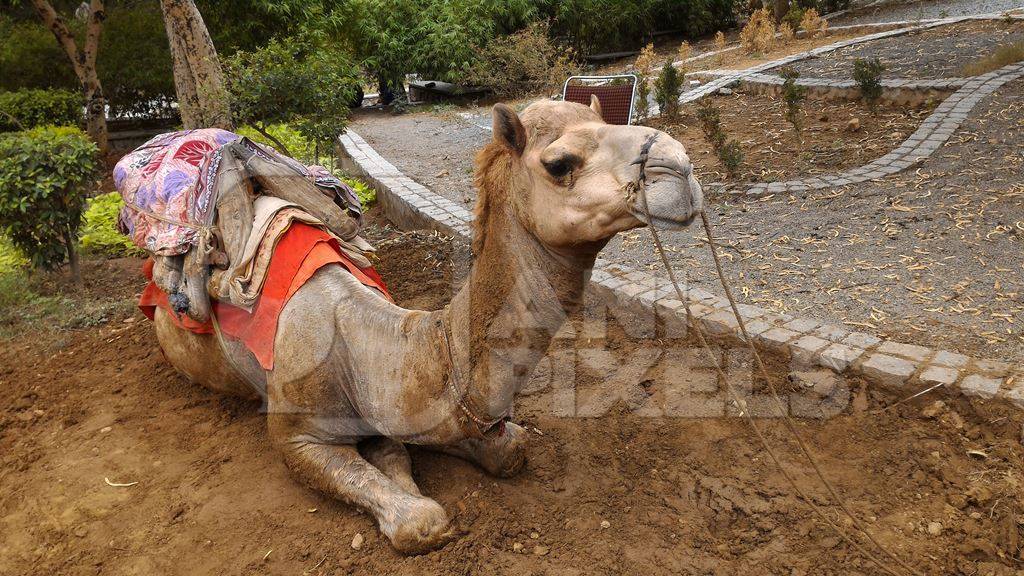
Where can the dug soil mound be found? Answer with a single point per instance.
(612, 486)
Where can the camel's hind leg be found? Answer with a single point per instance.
(200, 358)
(392, 458)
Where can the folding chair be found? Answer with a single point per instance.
(616, 93)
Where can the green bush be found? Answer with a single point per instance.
(45, 175)
(667, 89)
(367, 195)
(11, 258)
(521, 63)
(294, 141)
(26, 109)
(867, 73)
(793, 95)
(31, 58)
(295, 82)
(609, 25)
(100, 234)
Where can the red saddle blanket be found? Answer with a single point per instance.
(302, 250)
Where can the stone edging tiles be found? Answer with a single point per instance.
(902, 91)
(928, 138)
(900, 368)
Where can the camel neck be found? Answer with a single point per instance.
(517, 296)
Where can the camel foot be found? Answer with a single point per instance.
(501, 456)
(420, 527)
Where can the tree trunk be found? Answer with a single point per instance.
(781, 8)
(198, 79)
(70, 244)
(84, 63)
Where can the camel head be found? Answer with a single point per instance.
(564, 173)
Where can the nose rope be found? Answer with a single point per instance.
(637, 189)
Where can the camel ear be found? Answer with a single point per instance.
(508, 130)
(595, 104)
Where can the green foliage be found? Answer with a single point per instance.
(794, 16)
(731, 156)
(867, 73)
(711, 122)
(367, 195)
(45, 174)
(294, 82)
(11, 258)
(300, 148)
(793, 95)
(521, 63)
(729, 151)
(133, 62)
(594, 26)
(100, 234)
(667, 89)
(26, 109)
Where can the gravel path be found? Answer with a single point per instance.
(899, 11)
(932, 54)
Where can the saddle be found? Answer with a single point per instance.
(209, 206)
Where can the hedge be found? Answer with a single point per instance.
(25, 109)
(45, 176)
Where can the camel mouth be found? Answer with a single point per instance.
(674, 198)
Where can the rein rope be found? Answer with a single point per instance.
(637, 189)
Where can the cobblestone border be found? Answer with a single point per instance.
(897, 367)
(928, 138)
(924, 142)
(901, 91)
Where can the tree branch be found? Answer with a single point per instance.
(64, 37)
(92, 36)
(280, 145)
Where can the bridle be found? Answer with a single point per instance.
(477, 426)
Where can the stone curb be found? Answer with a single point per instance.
(929, 137)
(900, 368)
(906, 92)
(925, 141)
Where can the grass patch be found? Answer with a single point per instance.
(1003, 55)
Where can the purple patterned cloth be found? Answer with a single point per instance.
(168, 185)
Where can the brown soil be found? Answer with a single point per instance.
(680, 495)
(773, 150)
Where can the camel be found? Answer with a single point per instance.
(356, 377)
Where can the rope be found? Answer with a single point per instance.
(638, 188)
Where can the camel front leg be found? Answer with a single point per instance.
(503, 455)
(414, 524)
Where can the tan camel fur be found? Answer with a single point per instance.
(357, 377)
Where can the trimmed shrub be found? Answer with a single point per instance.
(25, 109)
(667, 89)
(812, 24)
(45, 175)
(294, 82)
(643, 68)
(793, 95)
(758, 36)
(786, 33)
(521, 63)
(867, 73)
(100, 234)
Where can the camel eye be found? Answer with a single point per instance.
(560, 167)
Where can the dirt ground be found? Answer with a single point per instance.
(773, 150)
(612, 485)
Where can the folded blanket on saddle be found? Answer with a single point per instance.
(170, 186)
(201, 198)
